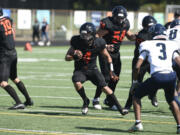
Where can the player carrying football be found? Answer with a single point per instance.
(84, 51)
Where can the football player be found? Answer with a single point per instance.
(176, 16)
(159, 53)
(143, 35)
(8, 63)
(84, 51)
(113, 30)
(174, 34)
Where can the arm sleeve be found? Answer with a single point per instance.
(176, 54)
(143, 52)
(143, 55)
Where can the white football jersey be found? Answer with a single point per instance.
(159, 53)
(174, 33)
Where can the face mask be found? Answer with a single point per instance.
(87, 38)
(119, 19)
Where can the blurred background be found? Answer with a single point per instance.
(65, 16)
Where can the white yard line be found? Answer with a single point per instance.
(54, 60)
(38, 60)
(44, 132)
(98, 113)
(75, 98)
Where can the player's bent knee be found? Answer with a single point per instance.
(78, 85)
(107, 90)
(3, 84)
(16, 80)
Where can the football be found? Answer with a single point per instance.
(78, 54)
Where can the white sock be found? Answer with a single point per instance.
(138, 121)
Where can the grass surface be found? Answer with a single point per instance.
(57, 109)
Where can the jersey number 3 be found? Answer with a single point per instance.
(7, 27)
(162, 50)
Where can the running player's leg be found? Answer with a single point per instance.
(20, 85)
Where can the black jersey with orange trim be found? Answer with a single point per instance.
(90, 53)
(116, 33)
(142, 35)
(6, 35)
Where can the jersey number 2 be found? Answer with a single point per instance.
(162, 50)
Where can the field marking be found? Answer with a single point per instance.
(107, 114)
(69, 87)
(38, 60)
(40, 132)
(54, 60)
(85, 117)
(75, 98)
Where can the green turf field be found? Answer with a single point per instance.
(57, 109)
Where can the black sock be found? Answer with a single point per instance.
(82, 94)
(10, 90)
(23, 89)
(98, 92)
(129, 101)
(114, 99)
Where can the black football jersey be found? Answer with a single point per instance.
(143, 35)
(6, 35)
(90, 53)
(116, 33)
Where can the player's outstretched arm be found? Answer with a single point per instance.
(131, 36)
(114, 77)
(101, 32)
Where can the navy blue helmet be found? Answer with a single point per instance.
(1, 12)
(148, 21)
(87, 31)
(175, 23)
(119, 14)
(157, 30)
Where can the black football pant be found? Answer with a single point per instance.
(104, 66)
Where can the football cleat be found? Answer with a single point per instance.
(84, 110)
(178, 131)
(96, 104)
(85, 107)
(29, 103)
(48, 43)
(154, 101)
(17, 106)
(125, 110)
(136, 127)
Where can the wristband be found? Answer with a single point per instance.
(111, 67)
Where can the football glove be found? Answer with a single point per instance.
(114, 77)
(77, 55)
(110, 48)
